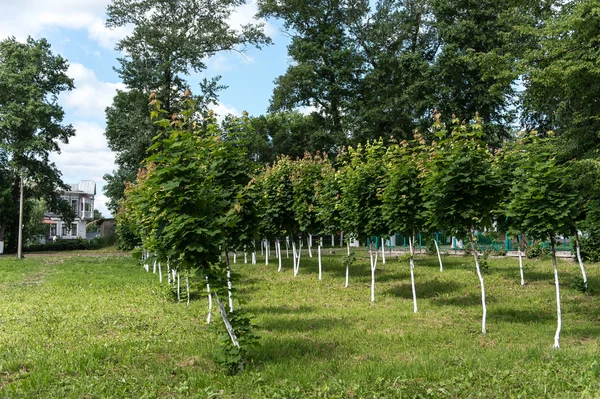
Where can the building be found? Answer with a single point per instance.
(81, 198)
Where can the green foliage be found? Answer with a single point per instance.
(542, 202)
(403, 205)
(232, 358)
(31, 128)
(328, 200)
(537, 250)
(361, 183)
(460, 190)
(590, 248)
(305, 177)
(577, 283)
(169, 40)
(71, 245)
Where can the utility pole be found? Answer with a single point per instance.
(20, 244)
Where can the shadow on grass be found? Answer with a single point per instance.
(302, 325)
(283, 309)
(465, 300)
(427, 289)
(524, 316)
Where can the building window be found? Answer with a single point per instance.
(52, 230)
(74, 205)
(74, 230)
(65, 230)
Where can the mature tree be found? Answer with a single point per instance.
(325, 61)
(460, 190)
(403, 205)
(170, 39)
(361, 205)
(562, 78)
(543, 203)
(31, 78)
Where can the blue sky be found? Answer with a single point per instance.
(75, 29)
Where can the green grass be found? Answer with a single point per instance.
(100, 326)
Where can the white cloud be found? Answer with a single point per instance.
(30, 17)
(244, 15)
(91, 96)
(222, 110)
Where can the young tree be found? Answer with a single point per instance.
(361, 206)
(31, 127)
(186, 206)
(543, 203)
(403, 205)
(460, 189)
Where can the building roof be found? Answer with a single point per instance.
(84, 186)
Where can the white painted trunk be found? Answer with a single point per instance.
(178, 288)
(382, 251)
(341, 238)
(266, 253)
(437, 248)
(412, 274)
(234, 257)
(347, 266)
(578, 249)
(348, 246)
(320, 265)
(332, 240)
(227, 323)
(245, 256)
(173, 275)
(294, 256)
(168, 273)
(373, 267)
(262, 247)
(229, 296)
(159, 272)
(483, 319)
(1, 247)
(154, 267)
(187, 288)
(521, 266)
(556, 284)
(210, 304)
(287, 247)
(310, 245)
(254, 258)
(279, 251)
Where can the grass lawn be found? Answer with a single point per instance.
(98, 326)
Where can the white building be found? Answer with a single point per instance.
(81, 199)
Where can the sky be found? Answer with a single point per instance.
(75, 29)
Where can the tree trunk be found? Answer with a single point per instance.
(373, 267)
(287, 247)
(178, 288)
(412, 272)
(347, 265)
(310, 245)
(266, 252)
(209, 302)
(521, 262)
(382, 250)
(475, 255)
(187, 287)
(437, 249)
(320, 266)
(245, 256)
(229, 296)
(234, 257)
(578, 249)
(341, 238)
(159, 273)
(558, 312)
(2, 228)
(278, 243)
(332, 240)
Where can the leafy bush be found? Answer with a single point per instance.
(232, 358)
(71, 245)
(537, 250)
(590, 248)
(499, 252)
(578, 284)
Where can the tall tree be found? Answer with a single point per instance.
(31, 78)
(325, 61)
(170, 39)
(562, 77)
(460, 190)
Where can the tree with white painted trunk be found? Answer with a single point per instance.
(403, 205)
(460, 190)
(543, 203)
(305, 177)
(276, 215)
(361, 184)
(189, 203)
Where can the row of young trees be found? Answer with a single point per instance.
(200, 197)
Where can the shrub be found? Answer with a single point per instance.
(71, 245)
(537, 250)
(590, 248)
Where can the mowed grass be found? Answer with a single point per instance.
(97, 327)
